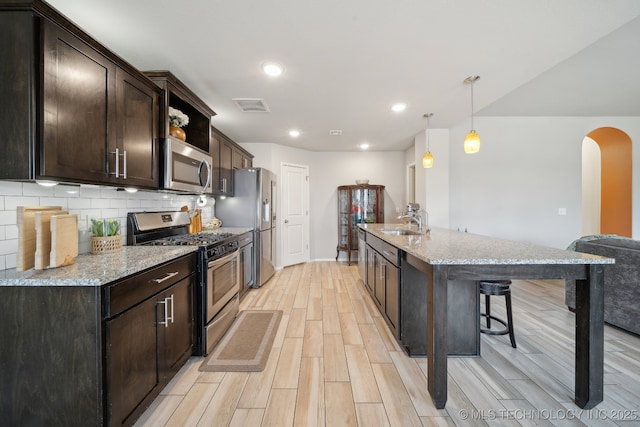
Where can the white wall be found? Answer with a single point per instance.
(328, 171)
(86, 202)
(527, 169)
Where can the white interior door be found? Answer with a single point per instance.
(295, 214)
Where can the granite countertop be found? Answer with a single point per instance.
(447, 247)
(98, 270)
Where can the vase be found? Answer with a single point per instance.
(177, 132)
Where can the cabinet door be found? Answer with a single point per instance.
(137, 132)
(392, 297)
(237, 159)
(79, 103)
(379, 291)
(214, 151)
(131, 354)
(246, 267)
(371, 269)
(226, 168)
(176, 326)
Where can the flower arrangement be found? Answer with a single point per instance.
(177, 118)
(107, 227)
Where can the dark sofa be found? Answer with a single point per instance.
(621, 280)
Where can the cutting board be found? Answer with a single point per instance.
(64, 240)
(43, 237)
(25, 258)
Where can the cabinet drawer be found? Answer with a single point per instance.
(390, 252)
(126, 293)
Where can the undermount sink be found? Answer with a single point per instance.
(400, 232)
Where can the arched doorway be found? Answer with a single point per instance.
(606, 182)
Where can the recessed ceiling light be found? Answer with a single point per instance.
(364, 146)
(272, 69)
(400, 106)
(294, 133)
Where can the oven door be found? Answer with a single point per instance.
(186, 168)
(222, 283)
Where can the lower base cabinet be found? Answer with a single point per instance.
(146, 346)
(94, 355)
(383, 280)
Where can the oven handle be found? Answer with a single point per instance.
(220, 261)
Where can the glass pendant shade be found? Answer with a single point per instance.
(471, 143)
(427, 160)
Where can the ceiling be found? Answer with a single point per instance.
(347, 62)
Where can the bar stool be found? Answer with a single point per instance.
(497, 288)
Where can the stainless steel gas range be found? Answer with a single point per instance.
(216, 296)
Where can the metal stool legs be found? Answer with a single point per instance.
(498, 288)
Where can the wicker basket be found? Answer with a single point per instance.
(106, 244)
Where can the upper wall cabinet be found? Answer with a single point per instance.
(227, 156)
(75, 111)
(180, 97)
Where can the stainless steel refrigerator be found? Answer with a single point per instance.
(253, 205)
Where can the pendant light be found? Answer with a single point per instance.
(427, 159)
(472, 140)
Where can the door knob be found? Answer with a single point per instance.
(286, 221)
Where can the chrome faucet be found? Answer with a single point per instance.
(413, 217)
(412, 214)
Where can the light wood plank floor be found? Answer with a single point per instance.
(335, 363)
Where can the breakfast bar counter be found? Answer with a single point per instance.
(446, 256)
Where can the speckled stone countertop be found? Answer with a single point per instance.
(447, 247)
(98, 270)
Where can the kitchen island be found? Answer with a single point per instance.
(446, 256)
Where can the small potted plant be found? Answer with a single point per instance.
(177, 119)
(105, 236)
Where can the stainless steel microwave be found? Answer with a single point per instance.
(186, 168)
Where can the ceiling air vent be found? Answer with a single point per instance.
(335, 132)
(251, 105)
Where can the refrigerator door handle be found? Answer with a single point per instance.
(267, 213)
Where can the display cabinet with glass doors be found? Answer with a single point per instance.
(357, 204)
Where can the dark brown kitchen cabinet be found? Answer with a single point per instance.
(94, 355)
(177, 95)
(227, 156)
(226, 167)
(383, 280)
(147, 345)
(247, 262)
(79, 113)
(79, 108)
(149, 333)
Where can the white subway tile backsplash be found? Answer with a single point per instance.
(10, 261)
(8, 217)
(32, 189)
(99, 203)
(8, 246)
(10, 232)
(66, 191)
(53, 201)
(117, 203)
(85, 201)
(9, 188)
(80, 203)
(12, 202)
